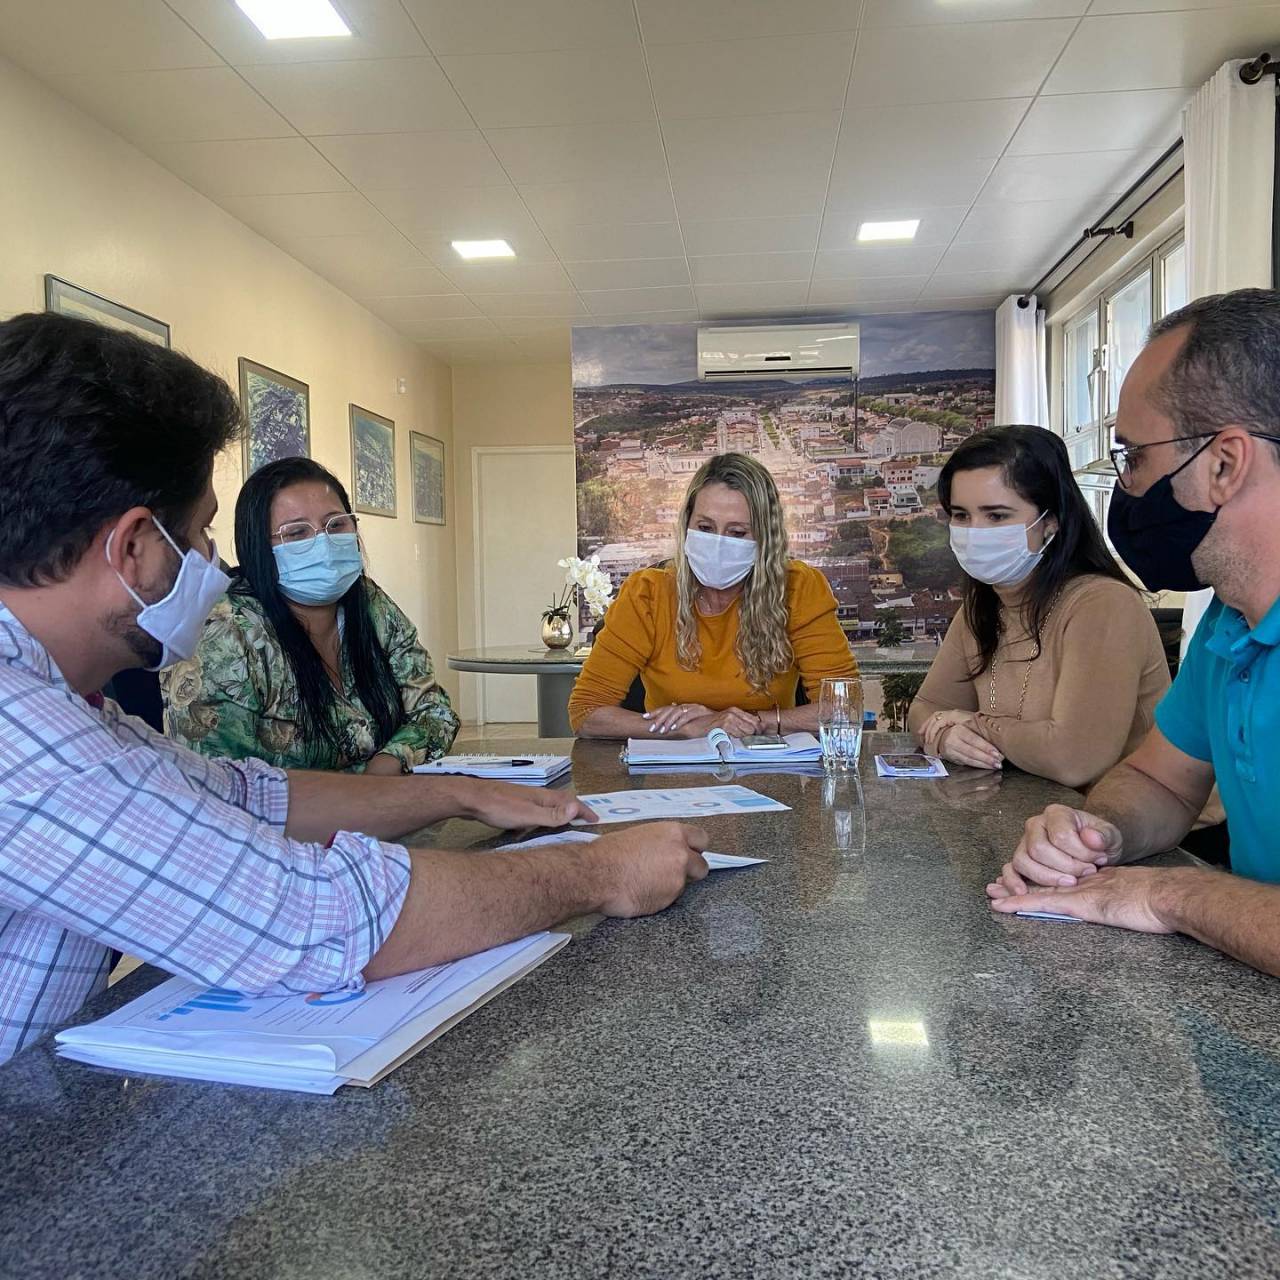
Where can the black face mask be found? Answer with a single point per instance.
(1156, 535)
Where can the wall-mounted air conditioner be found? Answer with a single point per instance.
(794, 352)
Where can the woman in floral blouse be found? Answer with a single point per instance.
(307, 663)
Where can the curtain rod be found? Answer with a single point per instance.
(1250, 73)
(1096, 230)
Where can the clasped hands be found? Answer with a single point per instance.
(958, 736)
(693, 720)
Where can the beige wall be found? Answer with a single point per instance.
(510, 404)
(79, 202)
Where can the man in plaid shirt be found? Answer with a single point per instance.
(234, 874)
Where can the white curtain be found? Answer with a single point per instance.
(1228, 138)
(1022, 388)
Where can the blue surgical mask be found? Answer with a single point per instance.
(321, 570)
(178, 619)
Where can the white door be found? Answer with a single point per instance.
(518, 541)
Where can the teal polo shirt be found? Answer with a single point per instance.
(1224, 707)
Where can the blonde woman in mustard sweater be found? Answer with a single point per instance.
(721, 637)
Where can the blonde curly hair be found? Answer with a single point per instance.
(763, 646)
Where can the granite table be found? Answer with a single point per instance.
(837, 1064)
(555, 669)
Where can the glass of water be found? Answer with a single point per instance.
(840, 723)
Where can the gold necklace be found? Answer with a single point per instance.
(1026, 675)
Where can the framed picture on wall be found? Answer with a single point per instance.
(69, 299)
(426, 465)
(277, 410)
(373, 462)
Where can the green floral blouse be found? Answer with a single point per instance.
(237, 697)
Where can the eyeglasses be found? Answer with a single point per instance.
(1125, 456)
(294, 532)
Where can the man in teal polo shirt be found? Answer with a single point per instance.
(1197, 504)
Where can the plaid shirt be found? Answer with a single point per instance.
(112, 836)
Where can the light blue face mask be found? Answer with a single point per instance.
(321, 570)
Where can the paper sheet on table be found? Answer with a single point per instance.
(715, 861)
(676, 802)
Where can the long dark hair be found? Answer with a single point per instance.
(257, 577)
(1037, 467)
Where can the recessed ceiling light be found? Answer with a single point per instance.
(904, 230)
(294, 19)
(483, 249)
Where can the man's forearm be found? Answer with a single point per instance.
(1150, 816)
(387, 808)
(1229, 913)
(461, 903)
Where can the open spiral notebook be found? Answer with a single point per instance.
(719, 748)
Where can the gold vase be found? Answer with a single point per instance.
(557, 631)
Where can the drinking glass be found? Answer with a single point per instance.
(840, 723)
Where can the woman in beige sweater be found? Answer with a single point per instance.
(1054, 662)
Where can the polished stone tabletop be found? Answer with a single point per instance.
(516, 659)
(837, 1064)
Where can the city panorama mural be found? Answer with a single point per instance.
(857, 463)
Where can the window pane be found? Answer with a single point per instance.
(1174, 282)
(1081, 340)
(1128, 319)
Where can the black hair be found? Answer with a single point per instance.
(1036, 465)
(1227, 372)
(257, 576)
(94, 421)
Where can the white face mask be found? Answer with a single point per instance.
(718, 562)
(177, 620)
(998, 556)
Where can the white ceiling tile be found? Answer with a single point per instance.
(407, 160)
(486, 211)
(937, 226)
(567, 204)
(696, 147)
(528, 243)
(352, 255)
(775, 194)
(743, 268)
(55, 36)
(929, 133)
(870, 260)
(1160, 50)
(562, 87)
(633, 273)
(686, 316)
(265, 166)
(1051, 220)
(320, 213)
(1024, 258)
(615, 301)
(906, 13)
(518, 26)
(936, 185)
(612, 241)
(370, 95)
(1059, 177)
(462, 329)
(782, 73)
(381, 29)
(509, 305)
(730, 298)
(968, 284)
(956, 62)
(678, 21)
(1117, 121)
(855, 292)
(524, 326)
(197, 104)
(508, 276)
(1153, 6)
(750, 235)
(421, 307)
(581, 153)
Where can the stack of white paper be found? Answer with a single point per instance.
(719, 748)
(310, 1043)
(534, 771)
